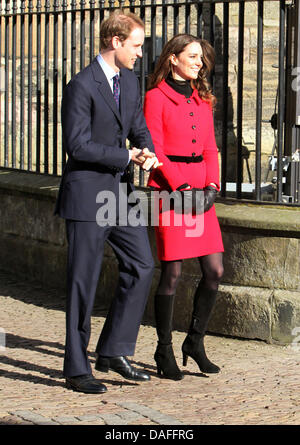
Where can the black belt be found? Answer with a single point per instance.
(186, 159)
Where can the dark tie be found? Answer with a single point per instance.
(116, 88)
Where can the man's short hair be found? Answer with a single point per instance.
(120, 24)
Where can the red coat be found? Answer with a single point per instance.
(181, 126)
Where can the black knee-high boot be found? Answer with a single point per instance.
(164, 354)
(193, 345)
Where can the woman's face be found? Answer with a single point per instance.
(188, 63)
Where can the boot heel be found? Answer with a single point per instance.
(184, 359)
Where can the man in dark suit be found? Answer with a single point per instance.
(101, 109)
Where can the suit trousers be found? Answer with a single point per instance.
(85, 252)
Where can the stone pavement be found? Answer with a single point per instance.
(258, 384)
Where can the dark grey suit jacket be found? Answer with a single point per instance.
(95, 134)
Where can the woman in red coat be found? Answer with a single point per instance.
(178, 110)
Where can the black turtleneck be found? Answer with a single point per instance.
(180, 86)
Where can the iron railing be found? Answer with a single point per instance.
(42, 45)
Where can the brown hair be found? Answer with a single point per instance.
(120, 24)
(175, 46)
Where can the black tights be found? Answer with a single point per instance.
(211, 267)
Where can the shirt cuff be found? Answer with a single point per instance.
(129, 156)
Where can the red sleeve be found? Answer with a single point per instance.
(153, 110)
(210, 153)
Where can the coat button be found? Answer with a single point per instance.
(194, 141)
(193, 127)
(189, 101)
(191, 113)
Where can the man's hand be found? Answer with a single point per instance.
(145, 158)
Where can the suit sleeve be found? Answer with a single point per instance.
(139, 134)
(210, 152)
(76, 116)
(153, 109)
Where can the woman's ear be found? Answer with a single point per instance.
(173, 59)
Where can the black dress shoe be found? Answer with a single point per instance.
(122, 366)
(85, 383)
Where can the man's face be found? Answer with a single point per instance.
(130, 49)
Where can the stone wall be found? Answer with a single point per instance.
(260, 292)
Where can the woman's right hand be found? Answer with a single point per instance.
(210, 194)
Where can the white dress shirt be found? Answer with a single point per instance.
(107, 69)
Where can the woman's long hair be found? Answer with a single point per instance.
(175, 46)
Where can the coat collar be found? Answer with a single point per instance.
(105, 89)
(174, 96)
